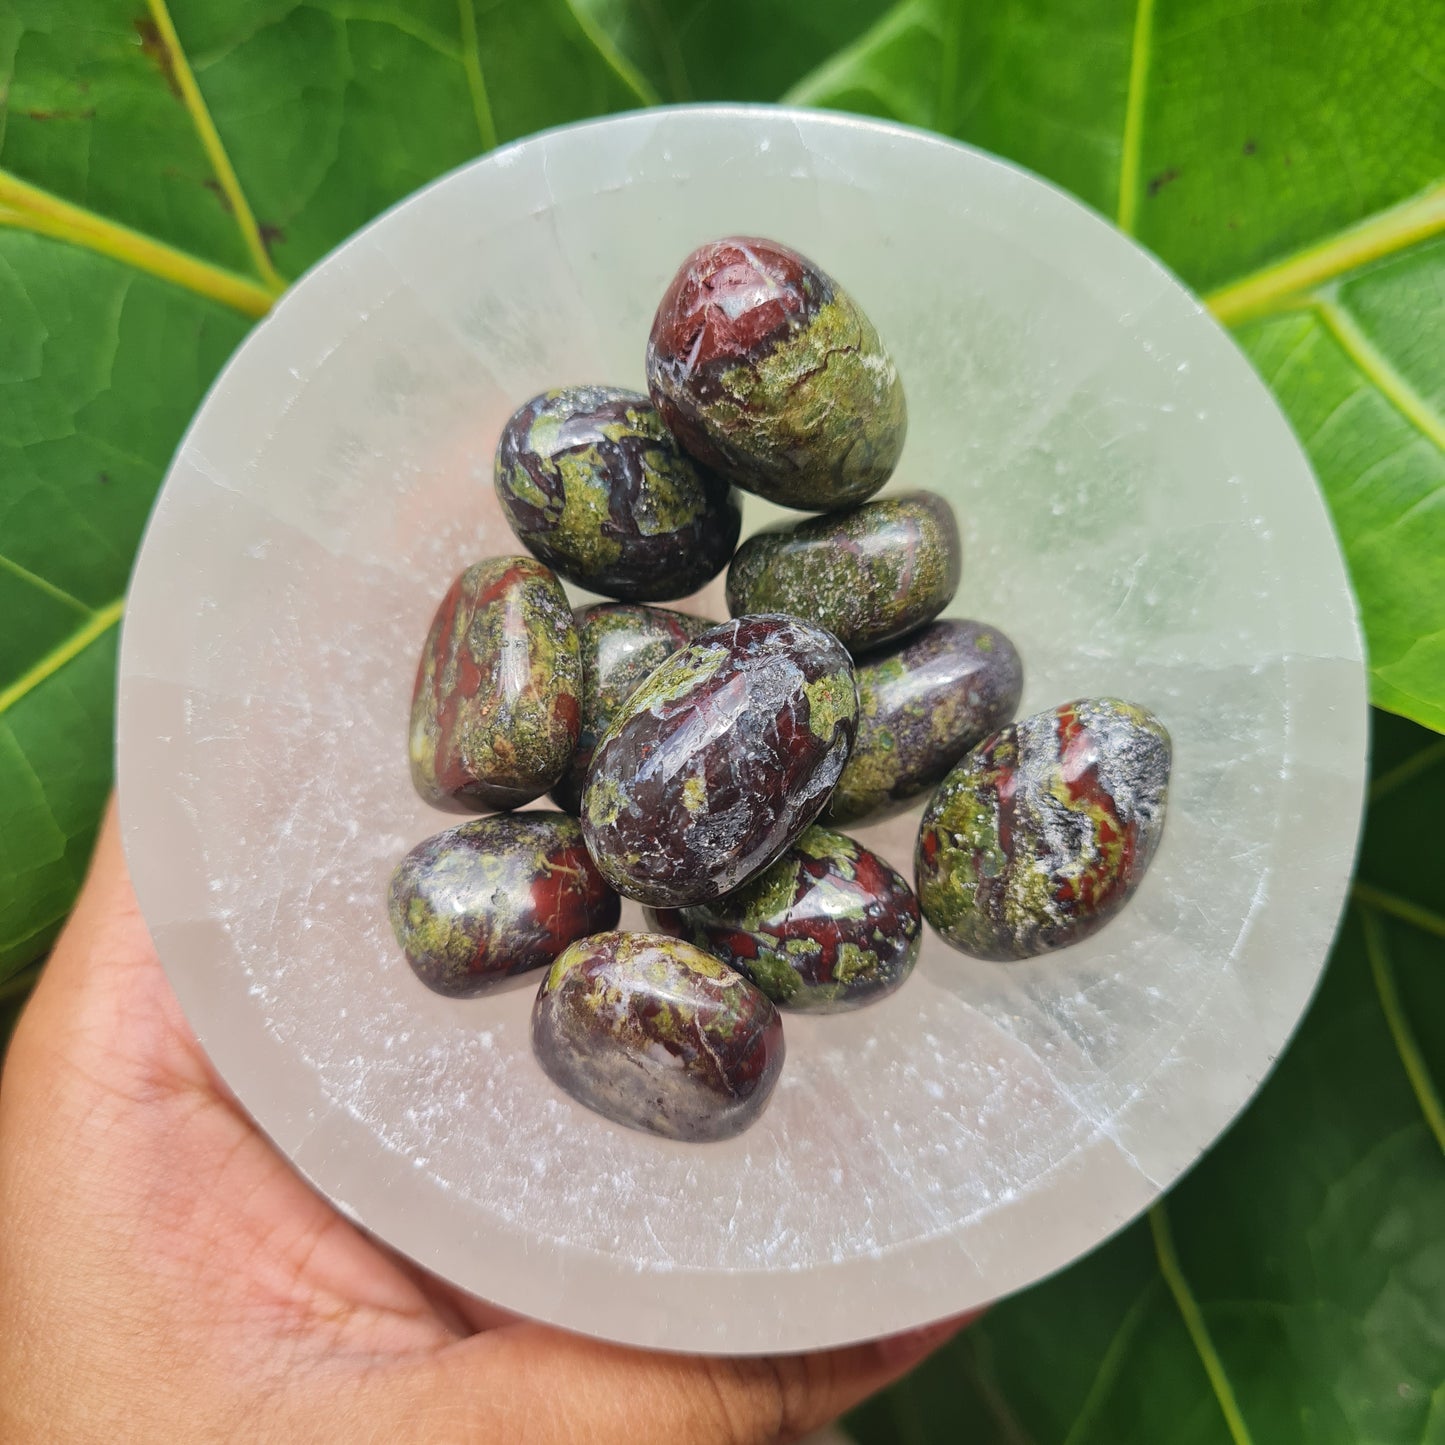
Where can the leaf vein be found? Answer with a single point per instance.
(213, 146)
(97, 625)
(1413, 1062)
(894, 22)
(26, 207)
(1131, 149)
(620, 66)
(1194, 1323)
(1280, 283)
(1376, 368)
(476, 80)
(358, 12)
(1111, 1362)
(1401, 908)
(1412, 767)
(8, 564)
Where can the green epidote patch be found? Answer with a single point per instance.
(832, 699)
(765, 369)
(829, 393)
(829, 926)
(496, 709)
(592, 482)
(1099, 763)
(921, 706)
(675, 677)
(659, 1035)
(496, 897)
(868, 575)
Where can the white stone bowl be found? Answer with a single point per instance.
(1137, 517)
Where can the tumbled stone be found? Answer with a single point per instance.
(495, 897)
(1042, 833)
(719, 760)
(497, 706)
(868, 575)
(922, 704)
(621, 644)
(828, 927)
(654, 1033)
(593, 482)
(768, 371)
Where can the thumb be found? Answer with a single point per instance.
(529, 1384)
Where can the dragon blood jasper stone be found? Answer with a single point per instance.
(1042, 833)
(828, 927)
(621, 644)
(498, 701)
(922, 705)
(657, 1034)
(868, 575)
(719, 760)
(496, 897)
(767, 371)
(594, 483)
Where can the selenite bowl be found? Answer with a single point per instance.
(1137, 517)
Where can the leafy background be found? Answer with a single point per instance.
(163, 171)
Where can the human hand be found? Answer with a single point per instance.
(165, 1275)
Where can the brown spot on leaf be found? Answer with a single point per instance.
(271, 235)
(1157, 183)
(154, 48)
(214, 186)
(104, 479)
(1250, 147)
(86, 114)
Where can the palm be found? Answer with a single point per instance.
(157, 1245)
(236, 1241)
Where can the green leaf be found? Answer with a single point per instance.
(1292, 1290)
(1285, 159)
(104, 369)
(161, 170)
(727, 49)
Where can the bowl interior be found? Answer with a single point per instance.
(1137, 517)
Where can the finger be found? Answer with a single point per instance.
(102, 994)
(534, 1385)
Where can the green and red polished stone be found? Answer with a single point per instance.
(1043, 832)
(497, 707)
(828, 927)
(868, 575)
(922, 704)
(496, 897)
(656, 1034)
(621, 644)
(719, 760)
(593, 482)
(768, 371)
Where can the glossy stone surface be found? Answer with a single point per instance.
(495, 897)
(1043, 832)
(767, 370)
(321, 565)
(868, 575)
(654, 1033)
(922, 704)
(719, 760)
(828, 927)
(497, 706)
(621, 643)
(593, 482)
